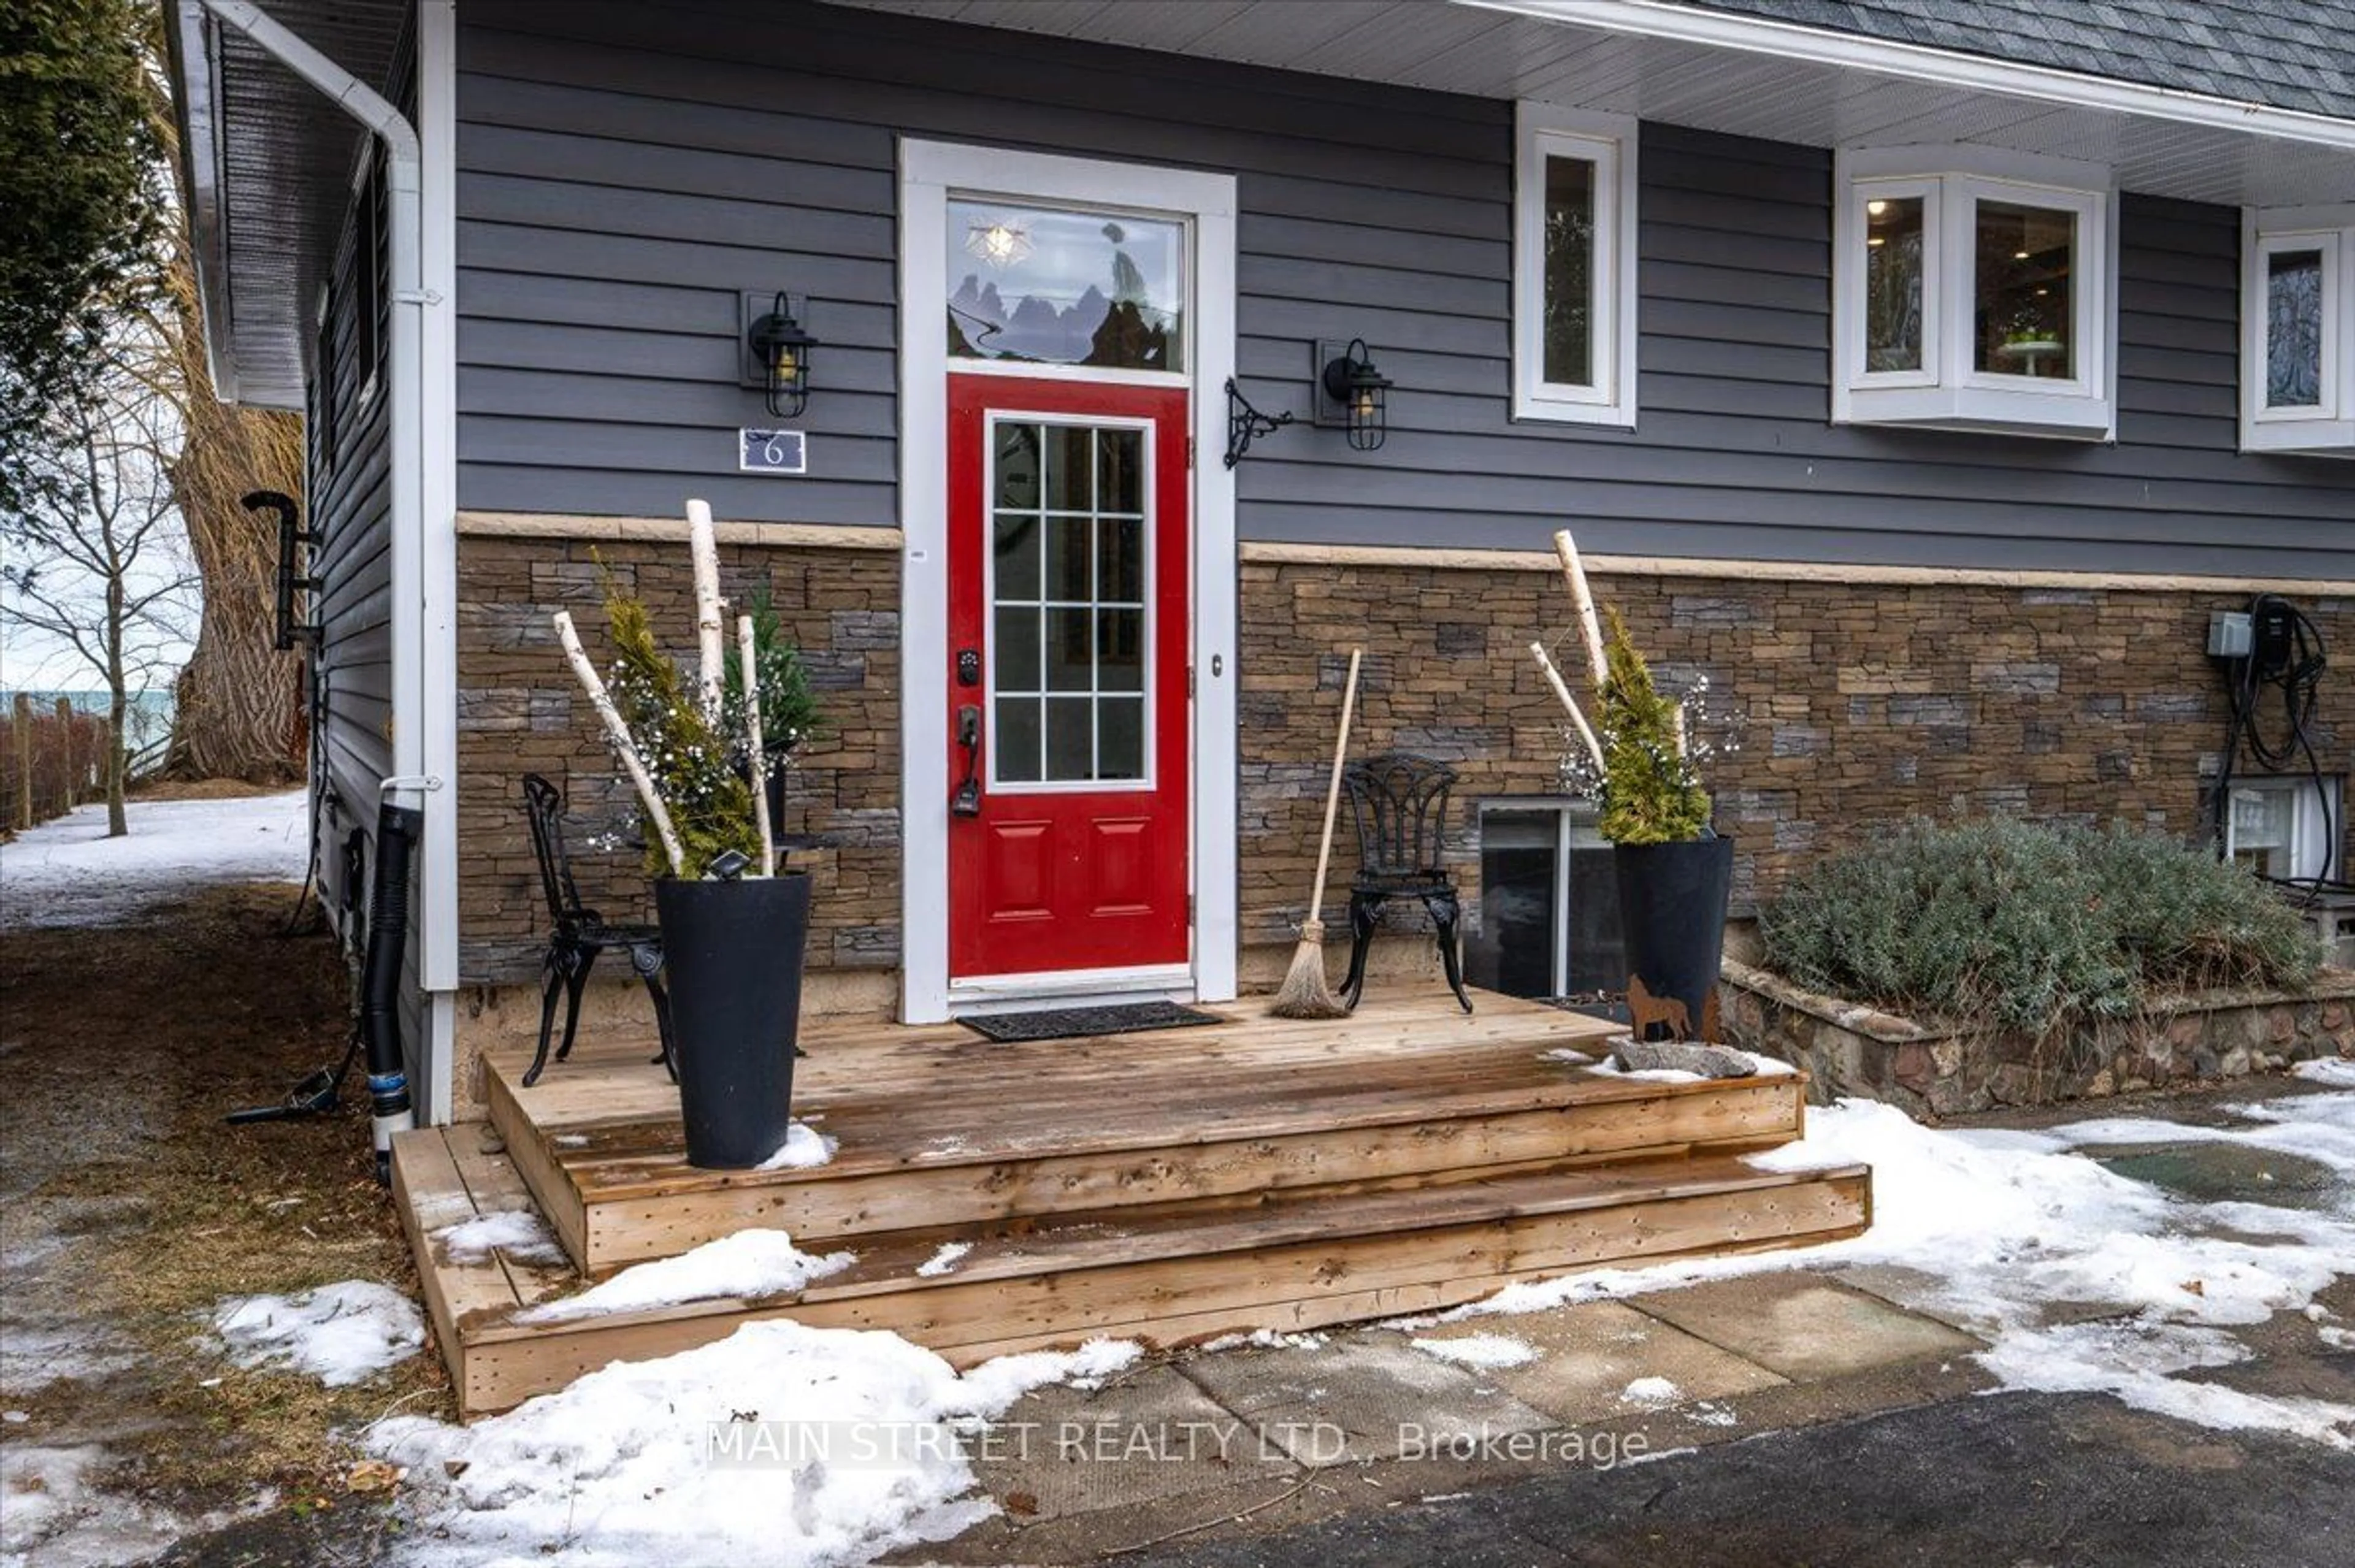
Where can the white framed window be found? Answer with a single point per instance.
(2283, 826)
(1573, 266)
(1972, 290)
(1548, 916)
(2297, 330)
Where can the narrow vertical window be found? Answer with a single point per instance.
(1895, 325)
(1569, 272)
(2294, 329)
(1573, 267)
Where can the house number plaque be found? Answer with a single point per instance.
(771, 451)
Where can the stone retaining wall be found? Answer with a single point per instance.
(1928, 1071)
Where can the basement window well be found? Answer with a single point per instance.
(2284, 827)
(1972, 291)
(1549, 903)
(2297, 330)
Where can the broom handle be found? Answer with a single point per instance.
(1333, 787)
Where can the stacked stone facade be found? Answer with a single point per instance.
(519, 711)
(1853, 704)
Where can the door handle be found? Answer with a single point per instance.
(965, 800)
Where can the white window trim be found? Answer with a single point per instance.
(1952, 181)
(1607, 141)
(929, 171)
(2328, 427)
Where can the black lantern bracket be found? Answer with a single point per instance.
(1246, 424)
(1351, 394)
(776, 350)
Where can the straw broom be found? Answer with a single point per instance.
(1304, 994)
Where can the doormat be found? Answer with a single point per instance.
(1073, 1023)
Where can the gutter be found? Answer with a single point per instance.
(1915, 63)
(420, 619)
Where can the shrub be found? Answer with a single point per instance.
(1651, 790)
(2030, 928)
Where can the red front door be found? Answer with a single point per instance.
(1065, 719)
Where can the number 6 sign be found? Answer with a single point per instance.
(771, 451)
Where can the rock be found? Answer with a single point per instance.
(1709, 1061)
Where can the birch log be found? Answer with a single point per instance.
(748, 656)
(623, 745)
(1561, 689)
(703, 546)
(1590, 629)
(1681, 749)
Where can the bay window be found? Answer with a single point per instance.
(1575, 266)
(2297, 347)
(1971, 290)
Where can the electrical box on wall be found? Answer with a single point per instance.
(2228, 634)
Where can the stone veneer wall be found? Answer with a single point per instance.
(1858, 704)
(519, 711)
(1851, 1050)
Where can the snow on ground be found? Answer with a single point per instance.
(746, 1265)
(520, 1232)
(56, 1511)
(2010, 1224)
(344, 1333)
(2325, 1070)
(1485, 1352)
(805, 1148)
(784, 1446)
(1655, 1391)
(69, 872)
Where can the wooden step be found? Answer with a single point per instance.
(1165, 1276)
(942, 1129)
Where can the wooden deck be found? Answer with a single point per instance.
(1166, 1186)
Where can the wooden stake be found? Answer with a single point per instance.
(749, 657)
(623, 745)
(703, 546)
(1561, 689)
(1590, 629)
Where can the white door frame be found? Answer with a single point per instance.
(929, 172)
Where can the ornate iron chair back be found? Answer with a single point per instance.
(1398, 802)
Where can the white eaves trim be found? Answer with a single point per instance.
(1821, 45)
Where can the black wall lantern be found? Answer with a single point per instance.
(1352, 393)
(781, 346)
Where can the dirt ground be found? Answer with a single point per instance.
(129, 1210)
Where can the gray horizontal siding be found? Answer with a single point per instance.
(625, 171)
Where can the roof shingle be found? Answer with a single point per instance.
(2287, 54)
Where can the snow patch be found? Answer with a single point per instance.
(1487, 1352)
(518, 1232)
(804, 1148)
(341, 1334)
(69, 872)
(1651, 1393)
(1564, 1053)
(629, 1464)
(1275, 1339)
(941, 1262)
(745, 1266)
(2338, 1072)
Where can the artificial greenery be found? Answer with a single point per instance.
(1650, 786)
(788, 710)
(2005, 925)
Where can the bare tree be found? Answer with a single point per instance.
(99, 556)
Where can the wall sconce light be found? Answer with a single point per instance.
(781, 346)
(1246, 423)
(1352, 395)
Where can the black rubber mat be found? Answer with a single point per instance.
(1072, 1023)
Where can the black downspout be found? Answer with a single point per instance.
(396, 831)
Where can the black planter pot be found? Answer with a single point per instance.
(732, 952)
(1672, 901)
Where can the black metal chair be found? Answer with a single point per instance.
(1399, 802)
(578, 934)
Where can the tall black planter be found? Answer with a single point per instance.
(733, 952)
(1672, 901)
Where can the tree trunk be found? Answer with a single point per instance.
(118, 757)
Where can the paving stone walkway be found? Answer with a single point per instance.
(1296, 1429)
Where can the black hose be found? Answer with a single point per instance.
(396, 831)
(2295, 670)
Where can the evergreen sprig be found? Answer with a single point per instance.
(1651, 792)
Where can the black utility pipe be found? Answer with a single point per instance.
(396, 831)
